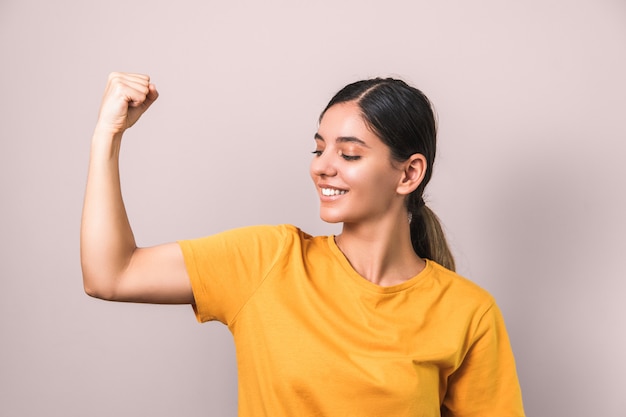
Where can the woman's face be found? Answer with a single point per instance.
(352, 169)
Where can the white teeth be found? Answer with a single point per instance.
(332, 191)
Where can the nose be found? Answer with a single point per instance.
(323, 165)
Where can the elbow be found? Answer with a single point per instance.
(94, 287)
(96, 292)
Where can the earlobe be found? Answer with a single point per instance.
(414, 170)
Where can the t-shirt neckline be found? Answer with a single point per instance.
(365, 283)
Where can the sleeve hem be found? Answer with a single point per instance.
(194, 278)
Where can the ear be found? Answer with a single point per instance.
(413, 172)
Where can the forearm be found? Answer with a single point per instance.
(107, 241)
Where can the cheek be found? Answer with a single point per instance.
(376, 179)
(355, 177)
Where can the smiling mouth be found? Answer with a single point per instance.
(328, 192)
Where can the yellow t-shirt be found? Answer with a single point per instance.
(314, 338)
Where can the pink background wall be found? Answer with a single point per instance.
(530, 180)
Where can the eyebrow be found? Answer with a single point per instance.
(344, 139)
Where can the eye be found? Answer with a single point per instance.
(317, 152)
(349, 157)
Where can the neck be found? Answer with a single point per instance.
(382, 253)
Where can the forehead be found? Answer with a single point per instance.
(346, 120)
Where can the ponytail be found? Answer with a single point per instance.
(428, 238)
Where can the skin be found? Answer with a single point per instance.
(349, 157)
(114, 268)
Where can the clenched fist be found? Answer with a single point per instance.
(126, 98)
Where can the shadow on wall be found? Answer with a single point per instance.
(556, 212)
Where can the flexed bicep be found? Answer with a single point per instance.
(114, 268)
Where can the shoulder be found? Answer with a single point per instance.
(247, 233)
(464, 302)
(287, 232)
(268, 230)
(460, 289)
(268, 238)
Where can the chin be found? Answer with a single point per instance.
(332, 218)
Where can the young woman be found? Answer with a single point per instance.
(371, 322)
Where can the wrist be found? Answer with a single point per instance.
(104, 131)
(105, 143)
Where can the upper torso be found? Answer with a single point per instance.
(315, 338)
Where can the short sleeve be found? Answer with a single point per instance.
(226, 268)
(486, 383)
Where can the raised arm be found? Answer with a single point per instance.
(114, 268)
